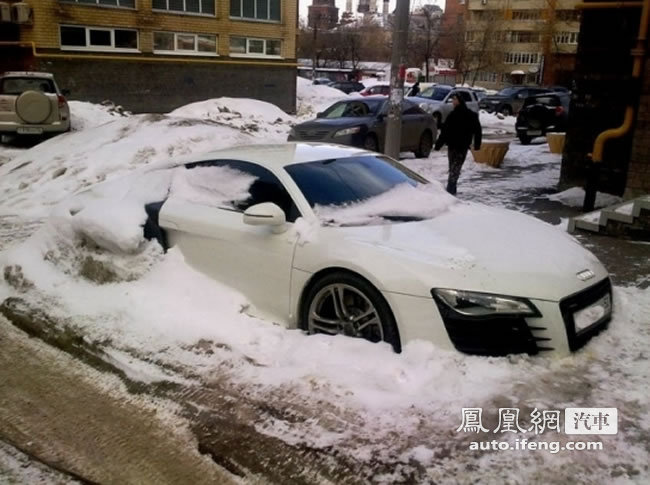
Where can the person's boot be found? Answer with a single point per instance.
(451, 188)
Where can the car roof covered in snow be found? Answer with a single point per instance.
(281, 154)
(36, 74)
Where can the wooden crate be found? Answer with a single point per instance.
(491, 153)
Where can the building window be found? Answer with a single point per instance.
(521, 58)
(469, 36)
(268, 10)
(108, 3)
(526, 15)
(243, 46)
(198, 7)
(566, 38)
(522, 37)
(74, 37)
(189, 44)
(568, 15)
(490, 77)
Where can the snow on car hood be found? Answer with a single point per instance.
(473, 247)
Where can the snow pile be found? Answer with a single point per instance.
(575, 196)
(38, 178)
(497, 124)
(211, 186)
(312, 99)
(404, 200)
(249, 115)
(84, 115)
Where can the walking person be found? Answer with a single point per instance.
(462, 125)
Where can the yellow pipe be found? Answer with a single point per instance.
(601, 5)
(145, 59)
(638, 53)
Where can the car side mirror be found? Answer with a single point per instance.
(266, 214)
(65, 92)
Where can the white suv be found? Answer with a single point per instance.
(31, 103)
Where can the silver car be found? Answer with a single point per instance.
(31, 103)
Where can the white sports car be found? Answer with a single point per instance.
(339, 240)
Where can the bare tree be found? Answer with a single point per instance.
(424, 35)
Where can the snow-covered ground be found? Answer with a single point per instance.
(155, 316)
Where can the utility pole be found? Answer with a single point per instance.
(397, 74)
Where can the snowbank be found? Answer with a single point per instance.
(234, 110)
(575, 196)
(497, 124)
(85, 115)
(312, 99)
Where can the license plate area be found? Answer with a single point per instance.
(534, 132)
(592, 314)
(29, 130)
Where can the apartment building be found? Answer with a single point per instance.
(520, 42)
(156, 55)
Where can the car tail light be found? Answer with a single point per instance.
(62, 101)
(559, 110)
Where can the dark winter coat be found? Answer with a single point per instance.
(461, 125)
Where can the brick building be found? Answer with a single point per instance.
(156, 55)
(604, 89)
(323, 14)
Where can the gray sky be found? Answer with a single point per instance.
(342, 3)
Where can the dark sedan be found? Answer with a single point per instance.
(542, 114)
(362, 123)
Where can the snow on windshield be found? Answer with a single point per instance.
(402, 201)
(212, 186)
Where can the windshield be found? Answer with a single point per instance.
(507, 92)
(18, 85)
(335, 188)
(354, 109)
(435, 92)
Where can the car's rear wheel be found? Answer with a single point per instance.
(370, 143)
(425, 145)
(524, 139)
(505, 110)
(345, 304)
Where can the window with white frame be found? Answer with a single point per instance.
(566, 38)
(76, 37)
(266, 10)
(522, 37)
(198, 7)
(484, 76)
(246, 46)
(181, 43)
(521, 58)
(106, 3)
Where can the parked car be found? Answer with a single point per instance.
(347, 86)
(361, 122)
(322, 80)
(398, 272)
(541, 114)
(509, 101)
(437, 100)
(377, 89)
(31, 103)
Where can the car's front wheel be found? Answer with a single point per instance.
(346, 304)
(425, 145)
(370, 143)
(505, 110)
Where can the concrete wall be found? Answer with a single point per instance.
(159, 88)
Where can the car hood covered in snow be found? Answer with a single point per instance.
(468, 247)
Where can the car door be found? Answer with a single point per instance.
(412, 122)
(213, 238)
(471, 100)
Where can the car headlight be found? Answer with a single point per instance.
(348, 131)
(426, 107)
(475, 304)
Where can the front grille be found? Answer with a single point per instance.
(312, 135)
(581, 300)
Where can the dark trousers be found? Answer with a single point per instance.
(456, 158)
